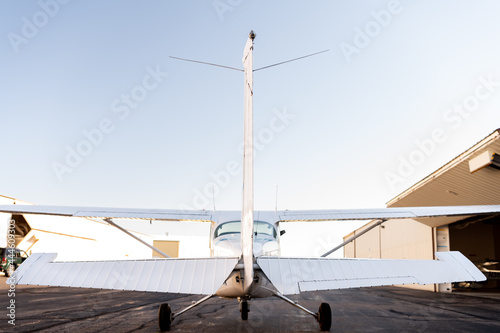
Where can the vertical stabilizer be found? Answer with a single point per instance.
(247, 210)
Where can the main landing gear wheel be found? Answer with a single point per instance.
(244, 310)
(324, 317)
(164, 317)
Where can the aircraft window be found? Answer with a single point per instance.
(259, 227)
(264, 228)
(227, 228)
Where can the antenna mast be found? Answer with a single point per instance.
(276, 205)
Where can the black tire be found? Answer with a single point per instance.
(164, 317)
(244, 310)
(325, 317)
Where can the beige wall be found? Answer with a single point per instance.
(406, 239)
(349, 248)
(169, 247)
(394, 239)
(366, 246)
(369, 246)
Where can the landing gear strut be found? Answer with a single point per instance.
(166, 316)
(323, 316)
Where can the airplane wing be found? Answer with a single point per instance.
(283, 216)
(295, 275)
(187, 276)
(116, 213)
(386, 213)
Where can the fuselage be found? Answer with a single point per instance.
(225, 234)
(226, 242)
(226, 239)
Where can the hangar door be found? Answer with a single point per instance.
(479, 240)
(169, 247)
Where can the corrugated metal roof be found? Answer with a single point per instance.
(454, 185)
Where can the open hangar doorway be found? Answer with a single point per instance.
(478, 238)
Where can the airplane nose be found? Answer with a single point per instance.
(227, 248)
(265, 248)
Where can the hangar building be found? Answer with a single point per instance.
(472, 178)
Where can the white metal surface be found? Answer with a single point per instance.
(282, 216)
(295, 275)
(247, 209)
(106, 212)
(125, 231)
(387, 213)
(186, 276)
(481, 161)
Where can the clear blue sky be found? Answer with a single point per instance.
(392, 76)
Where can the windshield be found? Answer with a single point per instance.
(234, 227)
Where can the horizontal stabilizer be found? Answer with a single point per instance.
(295, 275)
(186, 276)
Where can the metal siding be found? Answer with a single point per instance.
(479, 188)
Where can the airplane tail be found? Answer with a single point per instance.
(248, 206)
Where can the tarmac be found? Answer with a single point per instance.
(381, 309)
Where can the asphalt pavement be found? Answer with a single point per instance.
(381, 309)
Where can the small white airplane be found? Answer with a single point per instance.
(246, 262)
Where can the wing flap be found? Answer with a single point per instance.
(295, 275)
(202, 276)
